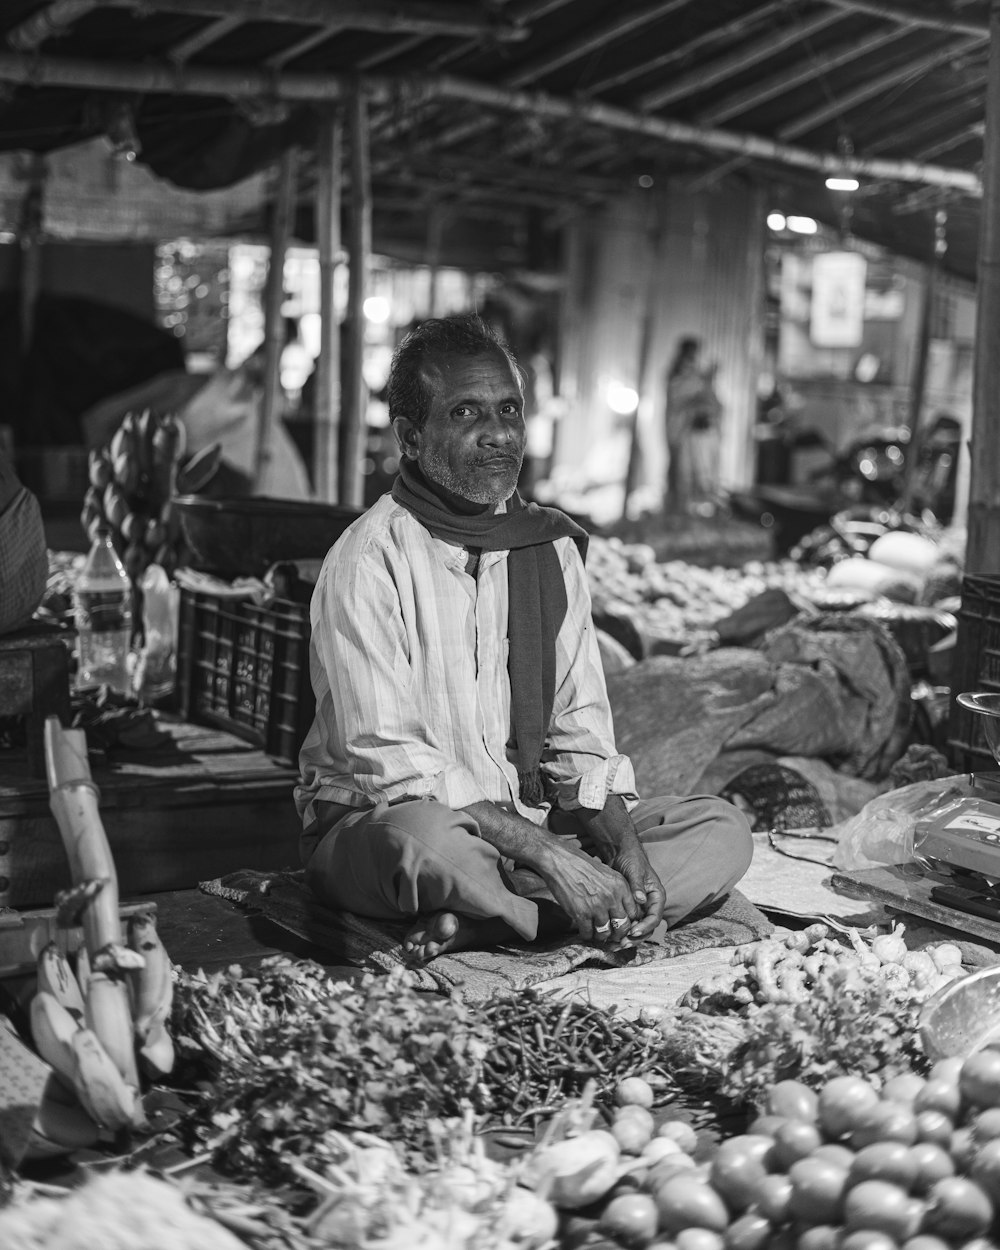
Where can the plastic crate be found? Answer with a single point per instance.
(245, 668)
(976, 667)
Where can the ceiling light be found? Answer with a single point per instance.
(842, 182)
(801, 225)
(776, 221)
(621, 399)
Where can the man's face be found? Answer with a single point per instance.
(472, 444)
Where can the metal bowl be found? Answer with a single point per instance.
(986, 705)
(244, 537)
(963, 1016)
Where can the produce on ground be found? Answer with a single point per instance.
(677, 600)
(132, 482)
(786, 967)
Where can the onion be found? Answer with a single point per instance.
(889, 948)
(946, 955)
(528, 1220)
(577, 1171)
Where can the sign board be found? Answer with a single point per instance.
(837, 308)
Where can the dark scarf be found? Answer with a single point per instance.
(536, 593)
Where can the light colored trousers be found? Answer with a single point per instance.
(418, 857)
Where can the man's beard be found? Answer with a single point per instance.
(469, 485)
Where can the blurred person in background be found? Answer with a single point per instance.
(693, 442)
(24, 559)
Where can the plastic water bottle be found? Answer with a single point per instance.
(102, 606)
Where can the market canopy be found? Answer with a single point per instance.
(504, 118)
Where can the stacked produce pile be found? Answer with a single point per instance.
(677, 601)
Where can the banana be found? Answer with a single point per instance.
(106, 1098)
(156, 1053)
(108, 1016)
(55, 977)
(83, 968)
(61, 1124)
(152, 984)
(53, 1029)
(117, 958)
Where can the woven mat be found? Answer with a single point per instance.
(479, 974)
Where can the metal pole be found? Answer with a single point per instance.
(983, 547)
(274, 295)
(326, 416)
(359, 235)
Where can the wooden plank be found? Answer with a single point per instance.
(283, 209)
(983, 547)
(359, 250)
(326, 415)
(910, 892)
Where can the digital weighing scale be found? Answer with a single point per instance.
(959, 841)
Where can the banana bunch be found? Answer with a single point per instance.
(132, 484)
(98, 1026)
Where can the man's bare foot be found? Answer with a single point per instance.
(448, 931)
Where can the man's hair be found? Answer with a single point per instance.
(464, 335)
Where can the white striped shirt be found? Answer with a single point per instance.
(409, 665)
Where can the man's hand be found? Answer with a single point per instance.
(617, 843)
(596, 897)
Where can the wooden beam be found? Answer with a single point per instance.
(326, 415)
(301, 46)
(912, 15)
(906, 70)
(385, 16)
(54, 19)
(748, 55)
(968, 96)
(640, 67)
(983, 544)
(274, 324)
(524, 14)
(627, 21)
(204, 38)
(239, 84)
(756, 147)
(738, 103)
(359, 250)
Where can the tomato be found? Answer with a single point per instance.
(925, 1241)
(958, 1208)
(845, 1104)
(640, 1115)
(740, 1164)
(884, 1161)
(672, 1165)
(819, 1237)
(931, 1163)
(939, 1094)
(684, 1202)
(661, 1148)
(774, 1193)
(882, 1207)
(749, 1232)
(985, 1168)
(817, 1191)
(698, 1239)
(979, 1079)
(962, 1148)
(793, 1100)
(889, 1121)
(631, 1134)
(840, 1156)
(903, 1088)
(683, 1134)
(867, 1239)
(934, 1126)
(766, 1125)
(632, 1218)
(986, 1125)
(795, 1140)
(948, 1068)
(634, 1091)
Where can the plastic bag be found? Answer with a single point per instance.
(156, 669)
(882, 832)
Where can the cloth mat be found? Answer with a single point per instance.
(475, 975)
